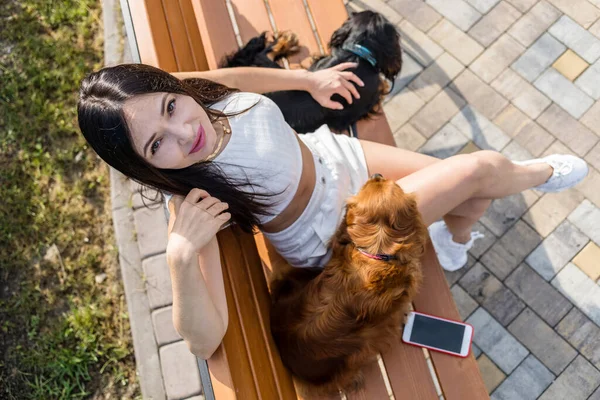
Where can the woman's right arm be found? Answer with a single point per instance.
(199, 303)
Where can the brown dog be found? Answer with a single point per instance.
(329, 324)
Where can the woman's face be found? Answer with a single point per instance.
(169, 130)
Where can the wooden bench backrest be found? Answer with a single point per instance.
(194, 35)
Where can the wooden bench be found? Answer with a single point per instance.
(193, 35)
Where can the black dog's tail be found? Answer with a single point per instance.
(254, 53)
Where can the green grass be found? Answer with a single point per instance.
(62, 334)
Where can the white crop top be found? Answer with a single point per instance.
(263, 149)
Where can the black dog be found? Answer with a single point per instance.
(366, 38)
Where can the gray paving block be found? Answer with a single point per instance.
(454, 276)
(400, 108)
(582, 11)
(527, 382)
(459, 12)
(417, 12)
(494, 24)
(437, 112)
(151, 230)
(478, 94)
(521, 93)
(158, 281)
(475, 350)
(576, 38)
(538, 294)
(551, 210)
(465, 303)
(568, 130)
(533, 24)
(523, 5)
(436, 76)
(482, 245)
(480, 130)
(538, 57)
(165, 332)
(502, 53)
(542, 341)
(488, 291)
(445, 143)
(505, 212)
(499, 260)
(417, 44)
(455, 41)
(410, 70)
(180, 371)
(589, 188)
(583, 292)
(578, 381)
(557, 250)
(589, 81)
(483, 6)
(497, 343)
(583, 334)
(409, 138)
(586, 217)
(520, 240)
(564, 93)
(595, 396)
(514, 151)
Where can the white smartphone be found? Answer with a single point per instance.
(439, 334)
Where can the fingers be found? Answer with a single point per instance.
(195, 195)
(346, 65)
(348, 85)
(217, 208)
(334, 105)
(343, 91)
(175, 204)
(350, 76)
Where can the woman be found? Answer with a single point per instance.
(231, 156)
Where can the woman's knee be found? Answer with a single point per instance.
(478, 167)
(473, 208)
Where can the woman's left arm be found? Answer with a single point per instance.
(320, 84)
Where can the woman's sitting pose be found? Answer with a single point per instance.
(227, 155)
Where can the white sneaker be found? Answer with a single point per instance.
(452, 255)
(568, 171)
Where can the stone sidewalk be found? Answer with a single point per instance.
(518, 76)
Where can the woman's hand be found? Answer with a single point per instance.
(335, 80)
(198, 218)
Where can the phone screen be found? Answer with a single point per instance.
(437, 333)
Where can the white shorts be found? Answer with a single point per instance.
(341, 170)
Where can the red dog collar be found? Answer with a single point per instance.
(381, 257)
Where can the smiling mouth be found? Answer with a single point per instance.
(200, 140)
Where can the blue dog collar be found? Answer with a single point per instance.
(362, 52)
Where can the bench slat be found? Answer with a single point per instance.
(459, 377)
(152, 34)
(328, 16)
(179, 36)
(193, 36)
(374, 384)
(215, 28)
(251, 17)
(291, 15)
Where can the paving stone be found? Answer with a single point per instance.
(538, 294)
(568, 130)
(475, 350)
(491, 374)
(591, 119)
(557, 148)
(527, 382)
(589, 188)
(382, 8)
(534, 138)
(408, 138)
(557, 250)
(533, 24)
(576, 38)
(435, 77)
(465, 303)
(454, 276)
(564, 92)
(456, 42)
(480, 130)
(199, 397)
(499, 260)
(553, 351)
(445, 143)
(552, 209)
(593, 157)
(588, 260)
(158, 281)
(180, 371)
(480, 246)
(483, 6)
(410, 70)
(580, 10)
(521, 93)
(595, 396)
(417, 12)
(479, 95)
(514, 151)
(497, 57)
(511, 120)
(583, 292)
(488, 291)
(588, 81)
(586, 217)
(505, 212)
(522, 5)
(494, 24)
(578, 381)
(520, 240)
(469, 148)
(583, 334)
(418, 45)
(459, 12)
(570, 65)
(497, 343)
(165, 332)
(401, 107)
(538, 57)
(595, 29)
(151, 230)
(437, 112)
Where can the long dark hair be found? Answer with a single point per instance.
(102, 122)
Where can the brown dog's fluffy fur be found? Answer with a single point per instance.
(329, 324)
